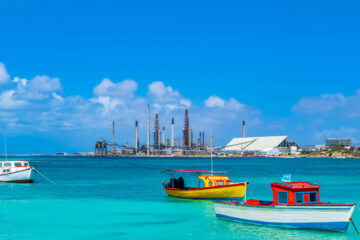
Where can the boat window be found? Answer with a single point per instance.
(17, 164)
(26, 164)
(7, 164)
(228, 182)
(0, 164)
(282, 197)
(210, 183)
(220, 183)
(313, 197)
(299, 197)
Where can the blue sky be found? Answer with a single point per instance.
(68, 68)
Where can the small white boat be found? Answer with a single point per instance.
(16, 171)
(294, 205)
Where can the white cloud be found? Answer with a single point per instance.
(322, 104)
(167, 97)
(225, 116)
(36, 89)
(44, 84)
(58, 97)
(214, 101)
(108, 103)
(185, 102)
(7, 100)
(161, 93)
(336, 105)
(21, 82)
(125, 88)
(4, 76)
(232, 103)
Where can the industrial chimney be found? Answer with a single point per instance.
(163, 136)
(203, 140)
(157, 136)
(136, 136)
(243, 129)
(172, 132)
(186, 131)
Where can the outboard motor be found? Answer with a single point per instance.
(181, 183)
(172, 184)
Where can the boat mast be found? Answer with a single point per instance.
(211, 158)
(212, 173)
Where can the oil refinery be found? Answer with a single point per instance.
(160, 145)
(188, 145)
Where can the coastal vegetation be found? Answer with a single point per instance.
(336, 152)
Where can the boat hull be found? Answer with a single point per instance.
(19, 176)
(227, 192)
(330, 217)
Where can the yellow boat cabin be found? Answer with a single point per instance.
(215, 180)
(217, 186)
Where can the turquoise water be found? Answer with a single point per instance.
(122, 198)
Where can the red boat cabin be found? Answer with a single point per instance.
(291, 193)
(295, 193)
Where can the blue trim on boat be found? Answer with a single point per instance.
(331, 226)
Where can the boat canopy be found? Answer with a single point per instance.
(192, 171)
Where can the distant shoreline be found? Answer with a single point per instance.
(169, 156)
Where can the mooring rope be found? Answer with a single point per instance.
(354, 226)
(352, 221)
(46, 178)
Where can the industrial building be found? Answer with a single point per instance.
(273, 145)
(338, 142)
(101, 147)
(161, 145)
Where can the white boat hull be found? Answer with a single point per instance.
(329, 217)
(20, 175)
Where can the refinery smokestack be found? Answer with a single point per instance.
(163, 136)
(136, 136)
(203, 139)
(157, 134)
(172, 132)
(186, 131)
(243, 129)
(148, 132)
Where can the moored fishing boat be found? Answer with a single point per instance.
(16, 171)
(294, 205)
(210, 186)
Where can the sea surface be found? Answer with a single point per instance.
(123, 198)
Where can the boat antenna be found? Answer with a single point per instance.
(211, 158)
(5, 146)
